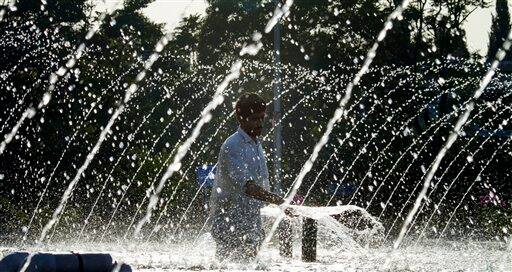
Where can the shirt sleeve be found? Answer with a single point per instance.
(236, 166)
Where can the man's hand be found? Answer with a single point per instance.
(257, 192)
(290, 212)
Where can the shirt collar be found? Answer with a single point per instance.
(246, 137)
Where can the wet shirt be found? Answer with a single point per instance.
(233, 214)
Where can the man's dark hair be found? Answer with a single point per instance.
(249, 103)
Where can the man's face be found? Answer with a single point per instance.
(252, 124)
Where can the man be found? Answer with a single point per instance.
(241, 185)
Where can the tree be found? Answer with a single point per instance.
(315, 34)
(131, 21)
(186, 38)
(67, 11)
(447, 20)
(398, 46)
(499, 30)
(437, 26)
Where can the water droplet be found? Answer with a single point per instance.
(46, 99)
(62, 71)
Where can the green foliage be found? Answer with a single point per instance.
(500, 29)
(131, 6)
(69, 11)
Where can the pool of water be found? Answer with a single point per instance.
(448, 255)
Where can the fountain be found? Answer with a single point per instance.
(101, 159)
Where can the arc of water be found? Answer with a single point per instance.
(367, 174)
(127, 97)
(218, 99)
(64, 207)
(477, 178)
(168, 95)
(139, 206)
(181, 180)
(361, 151)
(436, 207)
(416, 186)
(151, 187)
(389, 119)
(404, 124)
(201, 230)
(144, 120)
(54, 78)
(348, 134)
(75, 133)
(29, 113)
(130, 91)
(339, 111)
(179, 113)
(437, 125)
(453, 136)
(154, 179)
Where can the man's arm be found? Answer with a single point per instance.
(257, 192)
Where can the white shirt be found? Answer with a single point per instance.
(232, 212)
